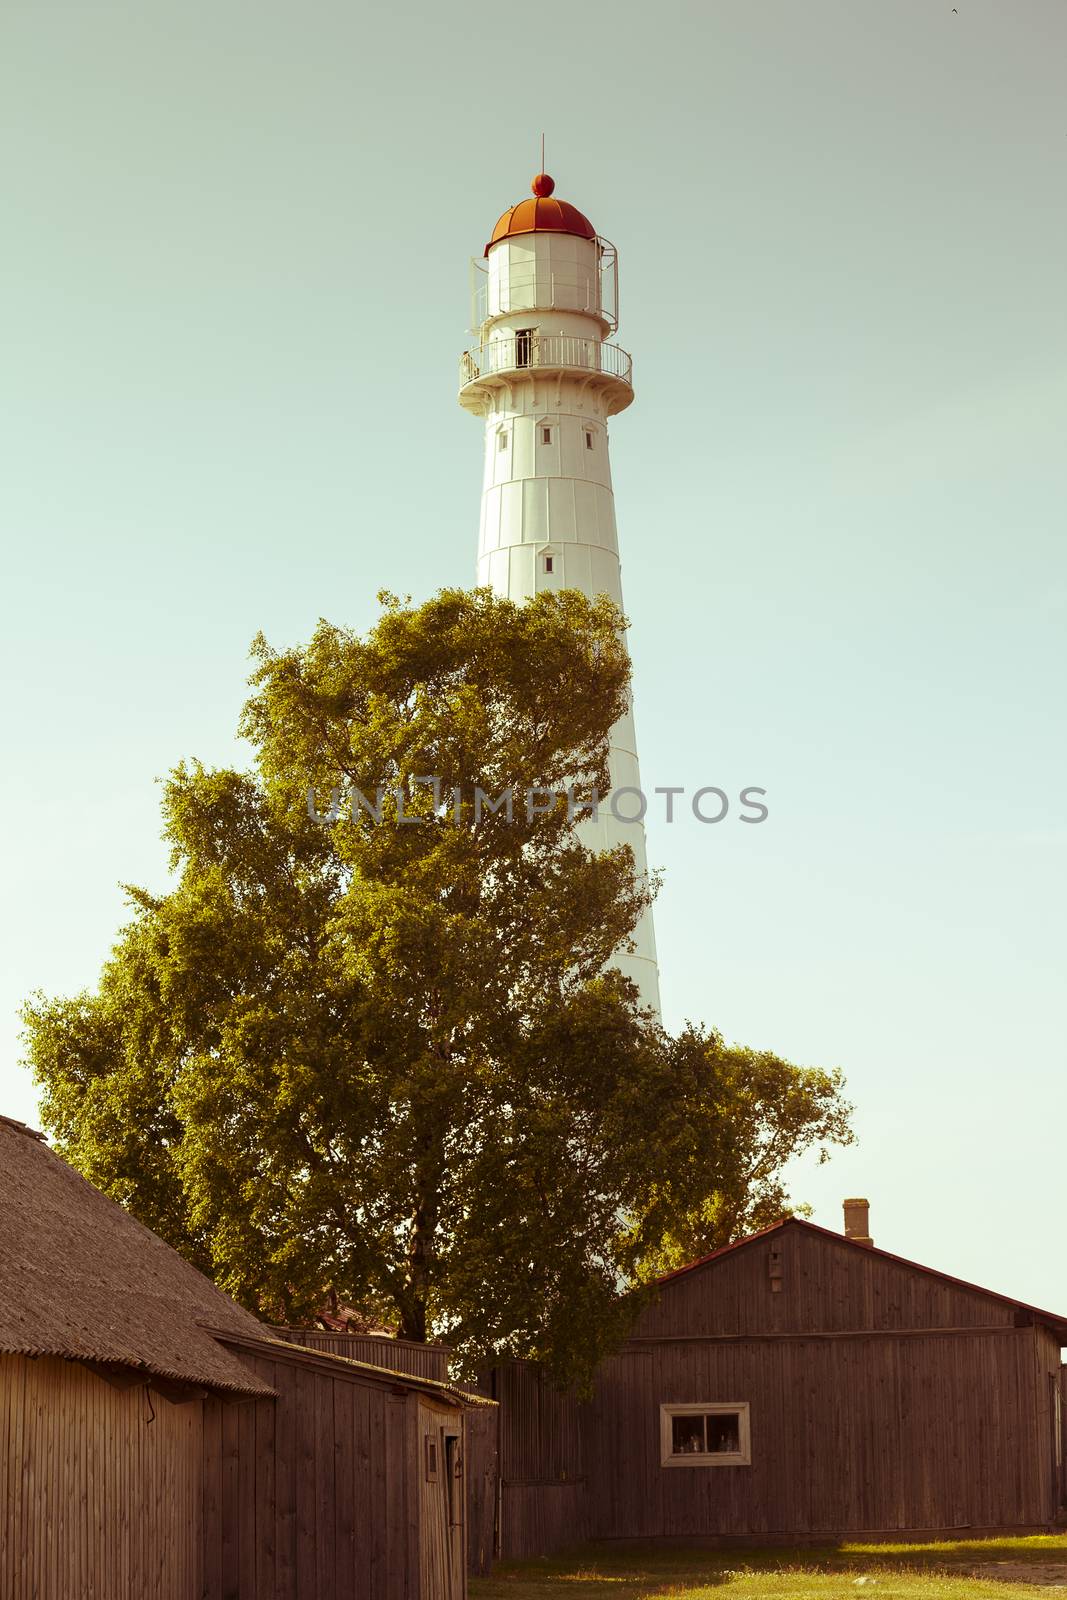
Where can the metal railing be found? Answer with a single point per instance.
(521, 351)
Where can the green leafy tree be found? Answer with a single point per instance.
(741, 1115)
(390, 1060)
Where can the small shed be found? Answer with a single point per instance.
(797, 1384)
(157, 1439)
(349, 1483)
(430, 1361)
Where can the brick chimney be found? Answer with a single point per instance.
(857, 1225)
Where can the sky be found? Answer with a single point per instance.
(233, 292)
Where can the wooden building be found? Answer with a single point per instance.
(157, 1439)
(797, 1384)
(348, 1482)
(480, 1456)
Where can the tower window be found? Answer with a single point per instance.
(523, 344)
(501, 440)
(549, 563)
(588, 438)
(546, 435)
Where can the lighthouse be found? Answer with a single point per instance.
(545, 375)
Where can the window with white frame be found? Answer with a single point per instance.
(588, 438)
(546, 434)
(502, 439)
(705, 1434)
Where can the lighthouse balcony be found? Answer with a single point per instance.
(529, 353)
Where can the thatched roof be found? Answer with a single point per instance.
(79, 1277)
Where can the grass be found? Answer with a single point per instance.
(882, 1571)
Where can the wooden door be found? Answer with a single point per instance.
(452, 1435)
(442, 1499)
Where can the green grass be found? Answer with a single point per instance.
(879, 1571)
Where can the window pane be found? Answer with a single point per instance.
(687, 1436)
(724, 1433)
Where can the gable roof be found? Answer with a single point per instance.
(1052, 1319)
(81, 1278)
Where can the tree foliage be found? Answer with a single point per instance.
(392, 1061)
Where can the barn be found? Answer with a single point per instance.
(797, 1384)
(157, 1439)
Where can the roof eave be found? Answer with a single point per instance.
(283, 1349)
(93, 1360)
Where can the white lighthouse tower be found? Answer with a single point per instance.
(546, 380)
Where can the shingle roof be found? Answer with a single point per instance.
(1051, 1318)
(80, 1278)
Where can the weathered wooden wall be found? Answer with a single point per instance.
(482, 1468)
(827, 1285)
(313, 1496)
(883, 1398)
(430, 1361)
(442, 1502)
(309, 1496)
(536, 1519)
(542, 1472)
(1054, 1374)
(400, 1355)
(97, 1501)
(875, 1433)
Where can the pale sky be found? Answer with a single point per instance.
(233, 291)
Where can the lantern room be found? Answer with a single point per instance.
(544, 298)
(544, 254)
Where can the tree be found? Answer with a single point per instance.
(371, 1043)
(741, 1115)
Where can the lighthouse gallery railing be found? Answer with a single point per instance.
(523, 350)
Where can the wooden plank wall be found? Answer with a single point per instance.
(542, 1473)
(442, 1502)
(1049, 1420)
(434, 1563)
(1054, 1374)
(315, 1495)
(883, 1398)
(869, 1434)
(481, 1473)
(97, 1501)
(827, 1285)
(536, 1519)
(399, 1355)
(541, 1436)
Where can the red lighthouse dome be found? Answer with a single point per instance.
(542, 214)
